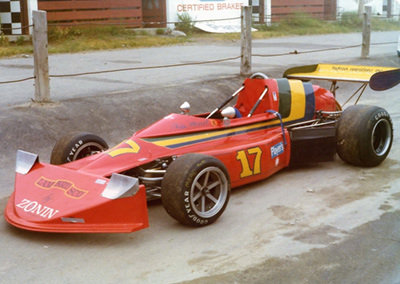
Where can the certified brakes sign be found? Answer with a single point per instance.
(276, 150)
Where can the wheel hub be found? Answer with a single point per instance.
(204, 191)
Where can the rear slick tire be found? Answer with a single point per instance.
(195, 190)
(364, 135)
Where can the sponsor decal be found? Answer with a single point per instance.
(277, 149)
(100, 181)
(35, 208)
(356, 69)
(277, 162)
(68, 187)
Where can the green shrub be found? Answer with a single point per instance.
(300, 20)
(3, 40)
(385, 24)
(59, 33)
(351, 20)
(20, 40)
(186, 24)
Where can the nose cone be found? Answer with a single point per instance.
(54, 199)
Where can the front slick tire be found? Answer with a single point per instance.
(75, 146)
(195, 190)
(364, 135)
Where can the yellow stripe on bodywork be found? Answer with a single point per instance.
(208, 135)
(132, 148)
(298, 103)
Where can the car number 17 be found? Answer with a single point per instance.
(243, 157)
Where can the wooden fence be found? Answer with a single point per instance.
(321, 9)
(126, 12)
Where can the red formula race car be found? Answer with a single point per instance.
(191, 162)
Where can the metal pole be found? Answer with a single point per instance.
(245, 64)
(40, 57)
(389, 8)
(366, 35)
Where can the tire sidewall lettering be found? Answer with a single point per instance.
(75, 148)
(197, 219)
(190, 178)
(382, 114)
(188, 209)
(189, 212)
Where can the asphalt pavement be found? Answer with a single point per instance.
(265, 59)
(326, 223)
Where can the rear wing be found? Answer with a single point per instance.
(379, 78)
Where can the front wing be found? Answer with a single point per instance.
(50, 198)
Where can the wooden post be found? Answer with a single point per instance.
(24, 17)
(261, 12)
(40, 57)
(245, 63)
(361, 4)
(366, 35)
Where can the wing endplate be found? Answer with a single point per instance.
(385, 80)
